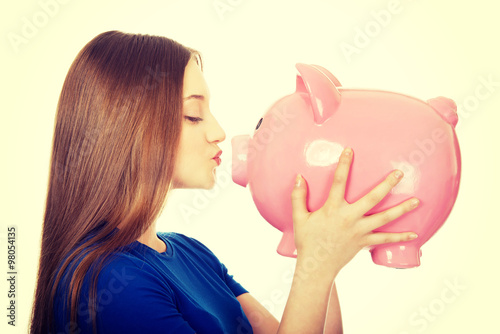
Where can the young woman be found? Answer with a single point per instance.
(133, 122)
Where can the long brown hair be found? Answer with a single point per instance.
(115, 141)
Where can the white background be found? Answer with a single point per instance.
(429, 48)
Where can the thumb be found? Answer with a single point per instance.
(299, 193)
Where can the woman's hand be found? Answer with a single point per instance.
(340, 229)
(326, 240)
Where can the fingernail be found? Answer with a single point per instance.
(414, 203)
(398, 174)
(413, 236)
(347, 151)
(298, 180)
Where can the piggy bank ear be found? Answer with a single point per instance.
(320, 84)
(330, 76)
(445, 107)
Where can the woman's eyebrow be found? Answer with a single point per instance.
(199, 97)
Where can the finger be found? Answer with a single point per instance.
(337, 190)
(378, 238)
(378, 193)
(299, 192)
(377, 220)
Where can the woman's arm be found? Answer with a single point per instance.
(333, 322)
(263, 322)
(307, 304)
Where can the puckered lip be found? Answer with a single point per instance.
(217, 155)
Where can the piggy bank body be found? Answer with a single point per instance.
(305, 132)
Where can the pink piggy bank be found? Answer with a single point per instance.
(305, 132)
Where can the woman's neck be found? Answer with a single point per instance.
(150, 239)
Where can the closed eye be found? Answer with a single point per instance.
(193, 119)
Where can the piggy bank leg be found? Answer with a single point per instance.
(397, 255)
(287, 245)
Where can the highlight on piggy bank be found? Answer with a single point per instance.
(306, 131)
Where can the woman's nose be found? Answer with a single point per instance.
(215, 132)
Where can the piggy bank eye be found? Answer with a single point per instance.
(258, 124)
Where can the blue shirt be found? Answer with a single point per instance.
(183, 290)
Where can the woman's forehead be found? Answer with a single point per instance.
(194, 82)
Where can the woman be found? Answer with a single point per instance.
(133, 123)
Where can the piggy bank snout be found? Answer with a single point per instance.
(239, 145)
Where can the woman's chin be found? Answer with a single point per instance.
(206, 185)
(194, 185)
(210, 184)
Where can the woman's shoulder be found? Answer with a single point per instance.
(117, 267)
(184, 241)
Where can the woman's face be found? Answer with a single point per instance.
(200, 135)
